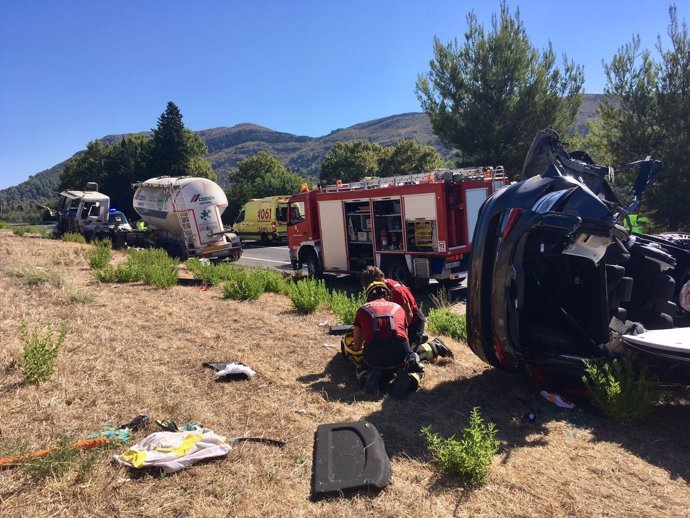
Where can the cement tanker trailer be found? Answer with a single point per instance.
(183, 215)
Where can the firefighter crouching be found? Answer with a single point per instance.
(401, 295)
(380, 348)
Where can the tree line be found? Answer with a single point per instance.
(486, 98)
(172, 150)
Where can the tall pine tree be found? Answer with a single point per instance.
(490, 96)
(169, 151)
(646, 111)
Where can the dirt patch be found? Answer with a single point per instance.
(135, 349)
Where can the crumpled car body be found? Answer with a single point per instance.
(555, 278)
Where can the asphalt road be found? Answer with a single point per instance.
(273, 256)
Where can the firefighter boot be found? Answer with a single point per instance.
(372, 382)
(440, 348)
(406, 380)
(400, 386)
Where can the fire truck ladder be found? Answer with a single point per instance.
(431, 176)
(180, 207)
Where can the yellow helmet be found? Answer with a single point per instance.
(377, 290)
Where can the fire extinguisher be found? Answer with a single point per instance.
(384, 237)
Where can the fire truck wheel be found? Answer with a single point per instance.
(396, 269)
(313, 266)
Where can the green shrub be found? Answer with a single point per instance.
(307, 295)
(20, 231)
(210, 273)
(106, 274)
(445, 322)
(345, 306)
(161, 273)
(32, 276)
(53, 464)
(123, 273)
(243, 286)
(100, 254)
(127, 272)
(39, 353)
(77, 297)
(73, 237)
(151, 266)
(61, 459)
(203, 271)
(624, 392)
(273, 280)
(467, 457)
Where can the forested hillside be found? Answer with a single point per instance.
(301, 154)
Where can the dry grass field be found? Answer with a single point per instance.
(134, 349)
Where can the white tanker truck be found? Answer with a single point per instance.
(183, 215)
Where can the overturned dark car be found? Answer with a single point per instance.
(556, 278)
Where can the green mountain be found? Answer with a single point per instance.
(228, 146)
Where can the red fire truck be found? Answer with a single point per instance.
(414, 228)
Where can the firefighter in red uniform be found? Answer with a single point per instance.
(380, 347)
(401, 294)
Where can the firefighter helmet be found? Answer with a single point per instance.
(378, 290)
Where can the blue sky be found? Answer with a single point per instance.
(72, 71)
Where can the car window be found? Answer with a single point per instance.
(113, 215)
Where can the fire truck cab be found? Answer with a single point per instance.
(414, 228)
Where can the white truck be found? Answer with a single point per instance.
(88, 213)
(183, 215)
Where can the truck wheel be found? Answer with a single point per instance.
(313, 266)
(396, 269)
(264, 239)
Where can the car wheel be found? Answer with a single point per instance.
(396, 269)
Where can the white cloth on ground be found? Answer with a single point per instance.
(235, 368)
(173, 451)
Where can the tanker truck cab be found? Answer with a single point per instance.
(263, 219)
(83, 212)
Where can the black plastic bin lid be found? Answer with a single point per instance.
(349, 457)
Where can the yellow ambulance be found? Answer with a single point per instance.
(263, 219)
